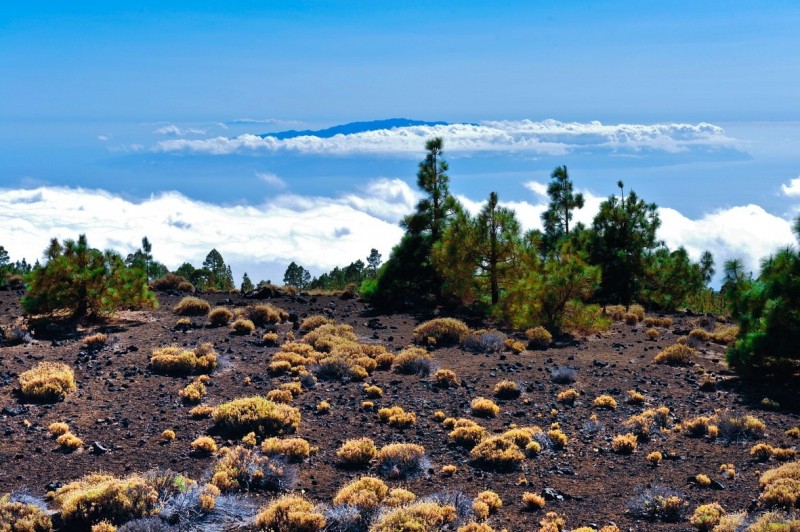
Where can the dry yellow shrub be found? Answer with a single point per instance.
(47, 382)
(357, 452)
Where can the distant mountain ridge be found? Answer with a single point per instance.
(352, 127)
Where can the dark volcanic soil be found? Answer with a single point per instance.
(125, 407)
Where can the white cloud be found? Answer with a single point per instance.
(103, 138)
(540, 189)
(548, 137)
(318, 233)
(792, 189)
(173, 130)
(271, 179)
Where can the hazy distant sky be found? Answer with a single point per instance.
(696, 105)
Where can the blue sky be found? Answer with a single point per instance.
(133, 103)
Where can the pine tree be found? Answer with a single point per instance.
(247, 284)
(557, 217)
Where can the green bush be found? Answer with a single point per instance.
(84, 280)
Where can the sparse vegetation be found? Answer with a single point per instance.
(357, 452)
(192, 306)
(177, 361)
(256, 414)
(47, 382)
(676, 355)
(441, 332)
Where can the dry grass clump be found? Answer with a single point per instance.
(781, 486)
(357, 452)
(177, 361)
(506, 390)
(171, 281)
(312, 322)
(325, 337)
(262, 315)
(624, 443)
(630, 318)
(290, 512)
(642, 424)
(280, 396)
(663, 322)
(293, 449)
(243, 326)
(384, 360)
(655, 457)
(279, 367)
(219, 316)
(397, 417)
(605, 401)
(256, 414)
(472, 526)
(419, 516)
(707, 516)
(697, 427)
(204, 444)
(498, 453)
(399, 460)
(658, 503)
(448, 470)
(240, 469)
(412, 360)
(399, 497)
(440, 331)
(761, 451)
(192, 306)
(533, 501)
(372, 391)
(568, 396)
(483, 407)
(365, 493)
(467, 433)
(615, 312)
(793, 432)
(676, 355)
(638, 311)
(47, 382)
(323, 407)
(69, 442)
(770, 522)
(95, 341)
(270, 338)
(557, 438)
(58, 428)
(491, 499)
(168, 435)
(702, 480)
(195, 390)
(652, 334)
(17, 516)
(538, 338)
(514, 346)
(733, 428)
(182, 324)
(446, 378)
(522, 436)
(97, 497)
(635, 398)
(201, 411)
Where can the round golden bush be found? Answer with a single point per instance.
(497, 453)
(290, 512)
(538, 338)
(192, 306)
(256, 414)
(357, 452)
(440, 331)
(243, 326)
(219, 316)
(47, 382)
(676, 355)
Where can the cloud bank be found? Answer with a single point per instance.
(526, 137)
(318, 232)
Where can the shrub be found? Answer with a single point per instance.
(69, 441)
(192, 306)
(506, 390)
(262, 315)
(412, 361)
(491, 499)
(497, 453)
(243, 327)
(384, 360)
(400, 460)
(47, 382)
(483, 407)
(201, 411)
(279, 367)
(635, 398)
(781, 486)
(270, 338)
(323, 407)
(676, 355)
(733, 428)
(293, 449)
(624, 443)
(658, 503)
(280, 396)
(312, 322)
(467, 433)
(95, 341)
(472, 526)
(697, 427)
(655, 457)
(294, 387)
(562, 375)
(397, 417)
(97, 497)
(204, 444)
(615, 312)
(399, 497)
(538, 338)
(557, 438)
(18, 516)
(652, 334)
(605, 401)
(421, 516)
(168, 435)
(176, 361)
(373, 391)
(194, 391)
(171, 281)
(440, 331)
(448, 470)
(256, 414)
(219, 316)
(567, 396)
(514, 346)
(658, 322)
(702, 480)
(58, 428)
(290, 512)
(630, 318)
(484, 342)
(84, 280)
(365, 493)
(638, 311)
(357, 452)
(532, 501)
(707, 516)
(446, 378)
(242, 469)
